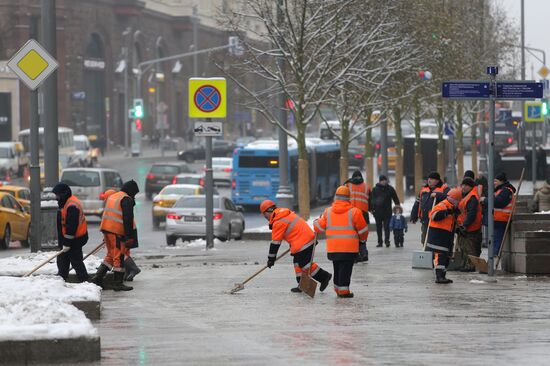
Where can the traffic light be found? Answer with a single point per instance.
(138, 108)
(138, 124)
(545, 107)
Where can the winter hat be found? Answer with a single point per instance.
(469, 174)
(357, 173)
(434, 175)
(382, 177)
(469, 182)
(501, 177)
(454, 196)
(130, 188)
(342, 193)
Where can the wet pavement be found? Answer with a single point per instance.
(181, 314)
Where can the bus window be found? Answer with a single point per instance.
(258, 161)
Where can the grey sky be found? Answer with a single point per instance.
(536, 29)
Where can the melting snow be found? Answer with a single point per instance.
(19, 265)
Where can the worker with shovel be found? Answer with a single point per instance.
(441, 233)
(468, 226)
(359, 197)
(287, 225)
(345, 229)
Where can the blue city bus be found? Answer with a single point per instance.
(255, 175)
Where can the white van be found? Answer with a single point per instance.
(13, 157)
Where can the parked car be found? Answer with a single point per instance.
(168, 196)
(21, 194)
(13, 158)
(356, 154)
(198, 152)
(89, 183)
(392, 159)
(221, 170)
(187, 219)
(189, 178)
(83, 151)
(14, 221)
(162, 174)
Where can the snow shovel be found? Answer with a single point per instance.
(97, 249)
(240, 286)
(422, 259)
(43, 264)
(307, 284)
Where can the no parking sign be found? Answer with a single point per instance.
(207, 98)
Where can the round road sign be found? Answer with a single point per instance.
(207, 98)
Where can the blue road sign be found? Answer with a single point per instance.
(207, 98)
(465, 90)
(510, 90)
(449, 129)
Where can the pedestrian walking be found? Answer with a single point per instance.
(441, 233)
(468, 226)
(541, 200)
(359, 198)
(434, 189)
(398, 225)
(504, 197)
(72, 233)
(119, 232)
(380, 204)
(345, 228)
(287, 225)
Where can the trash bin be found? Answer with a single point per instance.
(48, 222)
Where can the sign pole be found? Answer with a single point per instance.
(209, 194)
(534, 156)
(492, 71)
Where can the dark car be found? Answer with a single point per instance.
(356, 156)
(161, 175)
(220, 148)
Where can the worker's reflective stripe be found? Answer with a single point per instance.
(116, 219)
(439, 267)
(341, 288)
(69, 236)
(336, 227)
(291, 225)
(316, 224)
(341, 198)
(343, 236)
(276, 242)
(359, 199)
(113, 210)
(272, 255)
(433, 215)
(307, 245)
(506, 210)
(363, 230)
(315, 271)
(433, 246)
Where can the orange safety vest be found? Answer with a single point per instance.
(426, 189)
(82, 227)
(503, 214)
(359, 196)
(286, 225)
(448, 222)
(112, 221)
(476, 224)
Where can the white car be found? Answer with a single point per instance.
(12, 157)
(221, 170)
(83, 151)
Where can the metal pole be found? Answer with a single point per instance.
(34, 125)
(534, 155)
(160, 122)
(195, 42)
(482, 147)
(209, 194)
(384, 146)
(51, 152)
(126, 107)
(490, 178)
(284, 195)
(521, 142)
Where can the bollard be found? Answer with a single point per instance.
(48, 222)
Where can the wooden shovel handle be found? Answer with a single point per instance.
(43, 264)
(264, 267)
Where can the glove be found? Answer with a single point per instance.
(65, 249)
(270, 262)
(461, 229)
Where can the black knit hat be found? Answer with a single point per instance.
(469, 182)
(502, 177)
(382, 177)
(434, 175)
(469, 174)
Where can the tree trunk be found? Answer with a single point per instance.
(418, 176)
(303, 189)
(344, 168)
(399, 157)
(369, 168)
(344, 154)
(474, 146)
(418, 166)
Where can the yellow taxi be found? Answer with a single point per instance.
(21, 194)
(167, 197)
(392, 158)
(14, 221)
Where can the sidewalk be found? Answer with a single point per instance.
(179, 313)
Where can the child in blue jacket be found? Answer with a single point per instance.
(398, 225)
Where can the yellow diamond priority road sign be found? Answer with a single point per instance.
(544, 71)
(32, 64)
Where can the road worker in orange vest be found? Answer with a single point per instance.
(504, 200)
(119, 232)
(359, 197)
(286, 225)
(72, 232)
(468, 226)
(441, 233)
(345, 227)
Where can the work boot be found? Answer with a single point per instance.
(346, 296)
(363, 252)
(379, 245)
(295, 290)
(132, 270)
(326, 280)
(99, 275)
(440, 277)
(118, 284)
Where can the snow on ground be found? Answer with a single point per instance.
(197, 243)
(19, 265)
(47, 287)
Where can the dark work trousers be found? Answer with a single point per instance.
(398, 237)
(72, 258)
(383, 222)
(424, 232)
(366, 216)
(302, 260)
(342, 274)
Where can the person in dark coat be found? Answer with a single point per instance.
(72, 233)
(541, 163)
(380, 204)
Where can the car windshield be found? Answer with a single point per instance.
(188, 180)
(195, 202)
(5, 152)
(80, 145)
(164, 169)
(178, 190)
(80, 178)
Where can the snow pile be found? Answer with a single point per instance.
(477, 282)
(19, 265)
(49, 204)
(542, 212)
(197, 243)
(520, 277)
(46, 287)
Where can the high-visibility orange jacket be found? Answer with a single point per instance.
(502, 214)
(359, 196)
(446, 222)
(112, 221)
(286, 225)
(471, 198)
(82, 228)
(441, 228)
(344, 226)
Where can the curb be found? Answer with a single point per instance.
(38, 352)
(92, 309)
